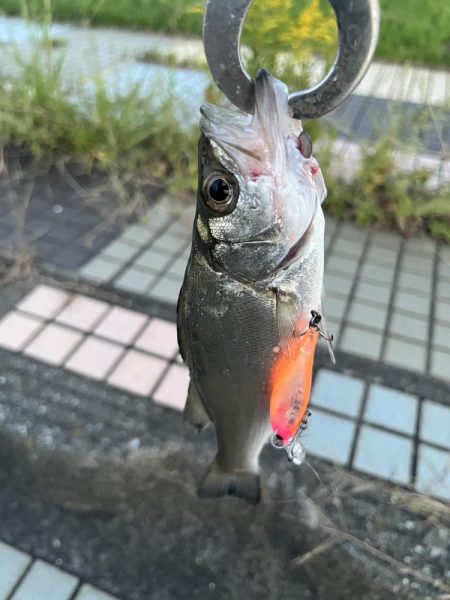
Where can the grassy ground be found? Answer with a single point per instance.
(412, 30)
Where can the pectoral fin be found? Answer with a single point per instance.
(194, 411)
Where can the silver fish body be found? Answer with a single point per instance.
(253, 277)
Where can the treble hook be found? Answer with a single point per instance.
(358, 25)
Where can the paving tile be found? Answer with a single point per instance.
(154, 260)
(135, 280)
(12, 565)
(46, 582)
(412, 303)
(172, 391)
(442, 311)
(83, 312)
(435, 423)
(70, 259)
(100, 270)
(159, 337)
(350, 231)
(87, 592)
(443, 290)
(329, 437)
(166, 290)
(444, 271)
(119, 251)
(44, 248)
(53, 344)
(391, 409)
(334, 327)
(138, 235)
(348, 248)
(383, 454)
(94, 358)
(441, 335)
(373, 292)
(421, 246)
(337, 392)
(385, 239)
(170, 243)
(378, 273)
(418, 264)
(361, 342)
(342, 265)
(433, 472)
(16, 329)
(407, 326)
(367, 315)
(377, 254)
(121, 325)
(178, 267)
(405, 354)
(440, 364)
(137, 372)
(44, 301)
(414, 281)
(335, 284)
(66, 233)
(180, 228)
(335, 307)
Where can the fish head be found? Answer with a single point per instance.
(259, 185)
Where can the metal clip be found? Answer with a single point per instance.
(358, 25)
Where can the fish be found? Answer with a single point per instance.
(253, 279)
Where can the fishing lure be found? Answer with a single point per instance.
(291, 390)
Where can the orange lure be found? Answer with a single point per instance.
(291, 383)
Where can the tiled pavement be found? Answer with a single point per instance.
(364, 426)
(386, 298)
(121, 347)
(62, 226)
(24, 578)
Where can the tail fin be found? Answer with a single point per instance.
(243, 484)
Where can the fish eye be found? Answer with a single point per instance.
(220, 192)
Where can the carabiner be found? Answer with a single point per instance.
(358, 25)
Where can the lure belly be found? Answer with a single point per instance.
(291, 387)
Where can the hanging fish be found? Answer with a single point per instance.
(250, 309)
(254, 276)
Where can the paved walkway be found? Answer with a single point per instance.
(361, 425)
(24, 578)
(386, 92)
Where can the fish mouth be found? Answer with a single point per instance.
(292, 254)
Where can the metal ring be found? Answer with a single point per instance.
(358, 25)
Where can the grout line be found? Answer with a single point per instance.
(140, 251)
(392, 295)
(352, 291)
(76, 591)
(22, 578)
(358, 421)
(431, 315)
(416, 441)
(164, 272)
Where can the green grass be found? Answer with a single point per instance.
(412, 30)
(415, 30)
